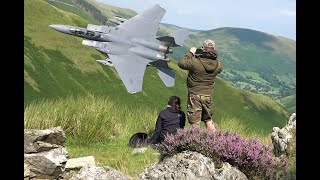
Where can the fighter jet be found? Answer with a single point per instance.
(132, 45)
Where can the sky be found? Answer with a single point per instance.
(276, 17)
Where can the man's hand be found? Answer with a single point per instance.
(193, 50)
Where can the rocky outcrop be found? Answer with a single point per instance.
(45, 157)
(188, 166)
(44, 153)
(281, 137)
(43, 140)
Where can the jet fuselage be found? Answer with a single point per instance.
(112, 44)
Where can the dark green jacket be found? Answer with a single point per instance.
(202, 72)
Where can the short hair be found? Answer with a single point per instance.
(174, 100)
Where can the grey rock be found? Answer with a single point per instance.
(281, 137)
(98, 173)
(43, 140)
(292, 121)
(78, 163)
(48, 164)
(27, 173)
(70, 174)
(139, 150)
(227, 172)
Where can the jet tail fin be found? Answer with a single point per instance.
(180, 35)
(166, 75)
(176, 38)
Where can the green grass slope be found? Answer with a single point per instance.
(70, 6)
(57, 65)
(110, 11)
(289, 102)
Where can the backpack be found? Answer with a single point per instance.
(138, 140)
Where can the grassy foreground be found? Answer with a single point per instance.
(96, 126)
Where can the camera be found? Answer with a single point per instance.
(198, 52)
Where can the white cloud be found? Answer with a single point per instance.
(290, 13)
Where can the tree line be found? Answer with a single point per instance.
(284, 89)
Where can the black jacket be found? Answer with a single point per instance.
(169, 120)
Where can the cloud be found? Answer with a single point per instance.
(290, 13)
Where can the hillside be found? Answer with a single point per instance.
(70, 6)
(289, 102)
(57, 66)
(110, 11)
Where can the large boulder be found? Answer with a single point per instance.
(44, 153)
(190, 165)
(47, 164)
(281, 137)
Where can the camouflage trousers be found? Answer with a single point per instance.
(199, 108)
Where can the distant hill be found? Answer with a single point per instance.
(58, 66)
(178, 27)
(253, 60)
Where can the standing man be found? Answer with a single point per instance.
(203, 68)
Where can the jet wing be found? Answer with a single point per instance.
(144, 25)
(131, 71)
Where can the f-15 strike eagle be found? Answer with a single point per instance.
(131, 45)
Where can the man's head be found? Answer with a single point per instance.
(208, 45)
(175, 102)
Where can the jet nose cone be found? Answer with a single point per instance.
(53, 26)
(60, 28)
(56, 27)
